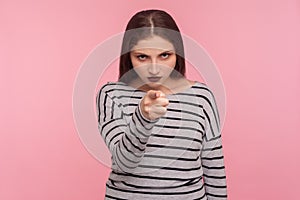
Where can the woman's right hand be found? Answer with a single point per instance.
(154, 104)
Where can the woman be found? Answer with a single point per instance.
(162, 130)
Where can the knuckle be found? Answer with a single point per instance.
(167, 101)
(147, 102)
(147, 109)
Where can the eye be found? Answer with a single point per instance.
(142, 57)
(165, 55)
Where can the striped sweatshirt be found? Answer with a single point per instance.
(177, 156)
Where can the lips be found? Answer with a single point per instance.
(154, 79)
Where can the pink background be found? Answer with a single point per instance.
(254, 43)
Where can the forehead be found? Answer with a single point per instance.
(153, 43)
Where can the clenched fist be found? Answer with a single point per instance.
(154, 104)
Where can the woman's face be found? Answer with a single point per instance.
(153, 59)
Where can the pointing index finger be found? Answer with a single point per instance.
(154, 94)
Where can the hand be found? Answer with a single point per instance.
(154, 104)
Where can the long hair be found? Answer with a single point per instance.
(145, 24)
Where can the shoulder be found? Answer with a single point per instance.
(205, 95)
(113, 89)
(203, 89)
(109, 86)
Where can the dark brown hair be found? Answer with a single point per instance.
(145, 24)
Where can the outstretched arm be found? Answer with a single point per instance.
(126, 141)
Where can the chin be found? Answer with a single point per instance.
(154, 84)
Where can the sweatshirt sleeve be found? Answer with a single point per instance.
(125, 140)
(212, 152)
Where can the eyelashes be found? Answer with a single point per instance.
(143, 57)
(165, 54)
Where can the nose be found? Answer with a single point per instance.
(153, 68)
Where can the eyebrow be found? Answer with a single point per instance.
(137, 52)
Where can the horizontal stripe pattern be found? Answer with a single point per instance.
(176, 156)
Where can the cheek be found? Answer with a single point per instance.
(138, 69)
(171, 62)
(133, 61)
